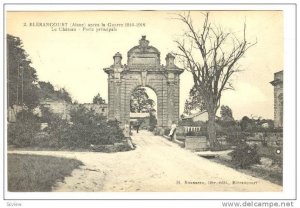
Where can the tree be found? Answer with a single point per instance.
(245, 123)
(194, 102)
(63, 94)
(47, 91)
(140, 101)
(211, 55)
(226, 113)
(98, 99)
(21, 77)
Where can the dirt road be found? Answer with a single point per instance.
(155, 165)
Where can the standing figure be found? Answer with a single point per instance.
(172, 133)
(137, 127)
(126, 130)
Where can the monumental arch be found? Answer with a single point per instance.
(144, 69)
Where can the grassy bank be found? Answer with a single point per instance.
(35, 173)
(273, 175)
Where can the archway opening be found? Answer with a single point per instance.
(143, 109)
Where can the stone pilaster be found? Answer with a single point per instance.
(278, 99)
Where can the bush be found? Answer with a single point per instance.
(236, 138)
(86, 128)
(91, 128)
(245, 155)
(22, 132)
(167, 131)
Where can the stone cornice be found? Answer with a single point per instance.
(276, 82)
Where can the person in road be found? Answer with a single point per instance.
(173, 130)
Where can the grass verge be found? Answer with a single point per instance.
(274, 176)
(36, 173)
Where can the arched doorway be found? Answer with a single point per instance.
(144, 69)
(143, 108)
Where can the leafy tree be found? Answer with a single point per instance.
(98, 99)
(21, 77)
(226, 113)
(211, 55)
(63, 94)
(194, 102)
(47, 91)
(246, 123)
(140, 101)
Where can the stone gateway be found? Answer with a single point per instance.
(144, 69)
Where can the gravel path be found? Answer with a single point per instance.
(155, 165)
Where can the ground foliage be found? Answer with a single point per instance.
(85, 129)
(47, 91)
(36, 173)
(245, 155)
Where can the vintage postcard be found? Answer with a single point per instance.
(146, 101)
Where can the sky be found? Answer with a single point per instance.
(75, 59)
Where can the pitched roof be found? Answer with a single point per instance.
(139, 115)
(195, 115)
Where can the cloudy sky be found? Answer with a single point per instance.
(75, 59)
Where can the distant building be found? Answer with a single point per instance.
(201, 116)
(278, 98)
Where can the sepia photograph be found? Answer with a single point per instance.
(145, 101)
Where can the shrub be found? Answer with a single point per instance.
(245, 155)
(86, 128)
(57, 131)
(22, 132)
(91, 128)
(167, 131)
(236, 138)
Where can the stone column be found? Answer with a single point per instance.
(111, 97)
(115, 88)
(171, 94)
